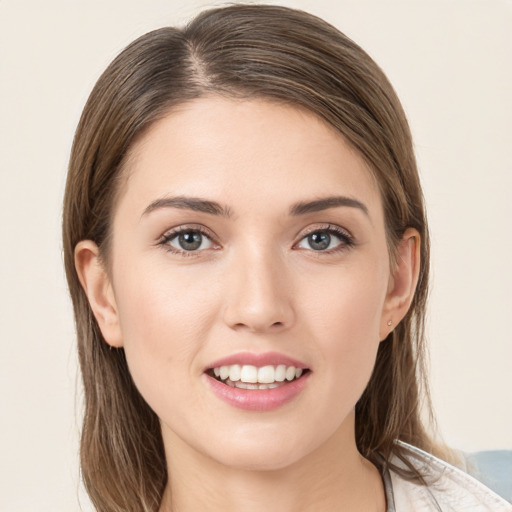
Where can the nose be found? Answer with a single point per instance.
(259, 293)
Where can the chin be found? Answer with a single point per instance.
(264, 447)
(258, 458)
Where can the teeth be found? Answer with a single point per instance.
(266, 374)
(224, 372)
(235, 372)
(280, 374)
(244, 385)
(248, 374)
(268, 386)
(251, 377)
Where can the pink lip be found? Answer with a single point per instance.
(264, 359)
(257, 399)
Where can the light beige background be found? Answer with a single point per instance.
(451, 63)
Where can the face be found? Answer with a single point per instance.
(249, 245)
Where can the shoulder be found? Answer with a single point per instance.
(448, 489)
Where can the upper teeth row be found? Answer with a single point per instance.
(252, 374)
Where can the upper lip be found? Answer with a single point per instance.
(263, 359)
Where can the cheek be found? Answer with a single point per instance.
(347, 303)
(344, 318)
(164, 317)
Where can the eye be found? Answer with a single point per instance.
(187, 240)
(326, 240)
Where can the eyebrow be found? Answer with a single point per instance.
(214, 208)
(303, 207)
(189, 203)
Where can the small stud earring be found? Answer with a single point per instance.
(390, 323)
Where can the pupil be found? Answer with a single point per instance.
(190, 241)
(319, 241)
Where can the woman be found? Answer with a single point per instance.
(247, 253)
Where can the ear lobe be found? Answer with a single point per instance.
(402, 282)
(96, 284)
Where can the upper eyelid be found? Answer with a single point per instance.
(324, 227)
(171, 232)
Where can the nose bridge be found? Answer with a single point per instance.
(259, 293)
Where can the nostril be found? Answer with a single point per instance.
(251, 326)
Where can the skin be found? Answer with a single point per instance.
(256, 285)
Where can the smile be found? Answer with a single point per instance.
(257, 382)
(253, 377)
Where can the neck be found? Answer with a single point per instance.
(332, 478)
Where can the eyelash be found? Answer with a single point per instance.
(347, 241)
(171, 235)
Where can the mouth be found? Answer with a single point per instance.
(257, 377)
(257, 382)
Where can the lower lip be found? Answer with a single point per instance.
(258, 399)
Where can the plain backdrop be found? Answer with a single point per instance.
(451, 63)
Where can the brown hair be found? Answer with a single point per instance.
(244, 51)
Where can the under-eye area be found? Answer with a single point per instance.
(254, 377)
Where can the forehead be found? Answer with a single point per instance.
(240, 151)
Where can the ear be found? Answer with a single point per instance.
(402, 282)
(96, 284)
